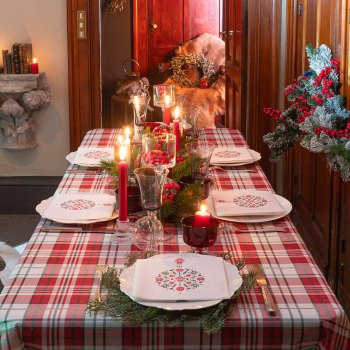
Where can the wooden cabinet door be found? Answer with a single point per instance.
(233, 63)
(159, 26)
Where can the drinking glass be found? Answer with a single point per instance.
(148, 231)
(140, 104)
(158, 150)
(199, 238)
(164, 97)
(189, 120)
(200, 155)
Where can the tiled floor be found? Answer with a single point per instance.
(17, 229)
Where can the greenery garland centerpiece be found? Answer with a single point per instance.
(177, 203)
(317, 116)
(117, 304)
(197, 60)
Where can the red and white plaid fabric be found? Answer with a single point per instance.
(43, 304)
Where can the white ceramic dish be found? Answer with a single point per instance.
(285, 204)
(256, 157)
(70, 158)
(234, 280)
(40, 208)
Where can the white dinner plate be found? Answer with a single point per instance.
(234, 281)
(41, 207)
(285, 204)
(70, 158)
(256, 156)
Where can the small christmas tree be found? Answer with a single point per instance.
(317, 115)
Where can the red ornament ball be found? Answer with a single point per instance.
(204, 83)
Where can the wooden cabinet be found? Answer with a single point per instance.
(321, 200)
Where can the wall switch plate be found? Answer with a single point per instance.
(81, 25)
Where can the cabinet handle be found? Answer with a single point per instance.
(152, 26)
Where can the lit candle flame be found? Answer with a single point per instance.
(120, 139)
(136, 100)
(177, 112)
(122, 153)
(127, 133)
(203, 208)
(167, 100)
(34, 60)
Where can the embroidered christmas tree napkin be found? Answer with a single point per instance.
(178, 278)
(245, 202)
(92, 155)
(231, 155)
(80, 206)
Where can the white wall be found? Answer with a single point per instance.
(44, 24)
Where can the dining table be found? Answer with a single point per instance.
(43, 305)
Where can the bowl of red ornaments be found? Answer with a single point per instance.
(158, 150)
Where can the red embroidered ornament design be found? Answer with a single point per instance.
(227, 154)
(78, 204)
(180, 279)
(96, 155)
(249, 201)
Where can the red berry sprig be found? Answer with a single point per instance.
(334, 133)
(179, 158)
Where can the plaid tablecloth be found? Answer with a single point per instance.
(43, 303)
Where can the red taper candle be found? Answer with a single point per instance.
(167, 111)
(201, 218)
(34, 67)
(123, 176)
(176, 128)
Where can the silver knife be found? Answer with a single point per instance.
(76, 229)
(260, 278)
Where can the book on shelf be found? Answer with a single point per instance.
(8, 63)
(25, 58)
(20, 50)
(4, 52)
(30, 57)
(12, 63)
(16, 58)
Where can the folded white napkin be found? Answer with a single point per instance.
(245, 202)
(178, 278)
(92, 155)
(79, 206)
(231, 155)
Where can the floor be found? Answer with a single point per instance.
(17, 229)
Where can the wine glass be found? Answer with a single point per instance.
(148, 231)
(140, 104)
(200, 155)
(164, 97)
(189, 117)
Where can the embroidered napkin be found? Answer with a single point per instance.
(245, 202)
(92, 155)
(231, 155)
(178, 278)
(79, 206)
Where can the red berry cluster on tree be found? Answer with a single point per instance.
(334, 133)
(305, 110)
(180, 158)
(273, 113)
(170, 190)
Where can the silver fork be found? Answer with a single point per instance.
(242, 170)
(100, 270)
(266, 229)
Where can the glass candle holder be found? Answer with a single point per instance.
(148, 231)
(200, 155)
(135, 157)
(189, 118)
(180, 100)
(158, 150)
(140, 104)
(164, 97)
(199, 238)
